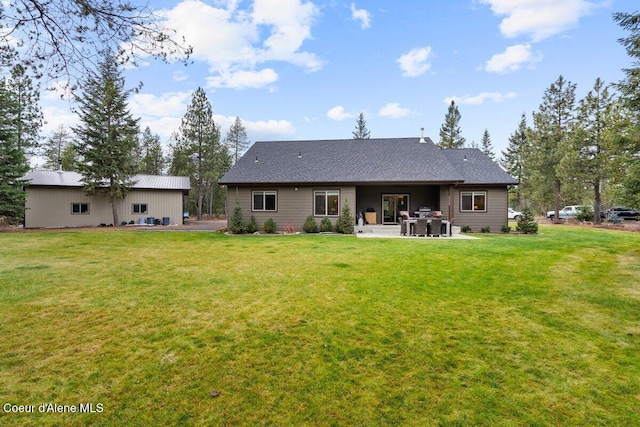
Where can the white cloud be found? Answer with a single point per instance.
(480, 98)
(415, 62)
(233, 41)
(338, 113)
(393, 110)
(270, 127)
(243, 79)
(539, 19)
(168, 104)
(511, 59)
(361, 15)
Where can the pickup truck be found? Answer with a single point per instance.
(566, 212)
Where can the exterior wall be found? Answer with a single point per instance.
(495, 216)
(51, 207)
(294, 204)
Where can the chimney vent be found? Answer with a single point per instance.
(422, 141)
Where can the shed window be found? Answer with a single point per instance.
(79, 208)
(473, 201)
(139, 209)
(326, 203)
(265, 201)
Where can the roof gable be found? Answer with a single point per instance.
(381, 160)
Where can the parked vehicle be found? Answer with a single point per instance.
(513, 215)
(624, 213)
(566, 212)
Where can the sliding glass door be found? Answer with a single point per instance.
(392, 204)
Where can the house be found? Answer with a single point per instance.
(57, 199)
(290, 180)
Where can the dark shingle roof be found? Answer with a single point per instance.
(390, 160)
(74, 179)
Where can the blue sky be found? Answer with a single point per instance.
(304, 69)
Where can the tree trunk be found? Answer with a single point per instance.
(596, 203)
(558, 195)
(114, 209)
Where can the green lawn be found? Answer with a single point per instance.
(321, 330)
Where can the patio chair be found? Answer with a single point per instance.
(421, 227)
(436, 227)
(403, 228)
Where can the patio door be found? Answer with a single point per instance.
(391, 205)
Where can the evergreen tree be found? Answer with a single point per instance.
(30, 117)
(485, 145)
(513, 159)
(590, 159)
(630, 89)
(152, 160)
(13, 163)
(107, 135)
(199, 152)
(236, 139)
(361, 131)
(56, 149)
(450, 133)
(550, 139)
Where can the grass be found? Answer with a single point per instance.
(321, 330)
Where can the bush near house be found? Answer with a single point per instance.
(310, 225)
(325, 225)
(269, 226)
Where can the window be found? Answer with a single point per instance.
(473, 201)
(326, 203)
(139, 209)
(79, 208)
(265, 201)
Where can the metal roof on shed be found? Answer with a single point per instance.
(74, 179)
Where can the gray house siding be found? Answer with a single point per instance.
(294, 203)
(496, 213)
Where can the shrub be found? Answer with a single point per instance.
(345, 221)
(252, 226)
(290, 229)
(325, 225)
(465, 229)
(526, 223)
(269, 226)
(310, 225)
(485, 229)
(585, 215)
(237, 224)
(506, 229)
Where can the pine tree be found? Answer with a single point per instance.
(107, 135)
(30, 117)
(361, 131)
(450, 133)
(513, 158)
(590, 160)
(199, 152)
(630, 89)
(13, 163)
(236, 139)
(152, 160)
(56, 148)
(550, 138)
(485, 145)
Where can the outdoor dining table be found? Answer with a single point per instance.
(411, 225)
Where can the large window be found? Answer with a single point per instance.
(326, 203)
(139, 208)
(79, 208)
(265, 201)
(473, 201)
